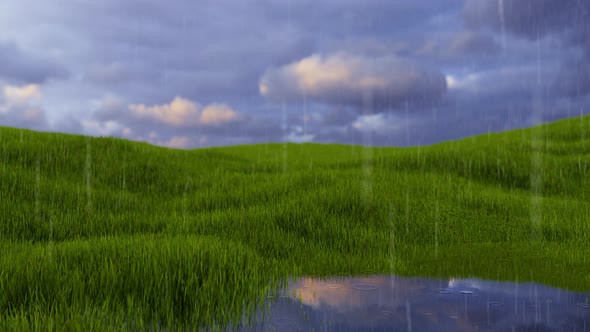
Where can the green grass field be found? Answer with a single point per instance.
(103, 233)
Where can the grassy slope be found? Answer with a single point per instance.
(98, 230)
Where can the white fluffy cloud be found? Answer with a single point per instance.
(21, 95)
(106, 128)
(182, 112)
(215, 114)
(377, 123)
(178, 142)
(342, 78)
(19, 106)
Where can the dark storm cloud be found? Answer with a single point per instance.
(536, 19)
(574, 77)
(213, 49)
(473, 43)
(339, 116)
(529, 18)
(505, 84)
(20, 67)
(376, 18)
(461, 48)
(395, 56)
(108, 73)
(205, 50)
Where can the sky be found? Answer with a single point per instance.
(189, 74)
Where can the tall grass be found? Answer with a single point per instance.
(103, 233)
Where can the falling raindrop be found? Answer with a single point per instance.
(502, 24)
(444, 291)
(516, 296)
(407, 125)
(391, 238)
(50, 234)
(87, 177)
(408, 316)
(304, 114)
(407, 208)
(284, 139)
(165, 71)
(184, 199)
(537, 306)
(465, 293)
(536, 179)
(37, 189)
(436, 229)
(367, 156)
(547, 311)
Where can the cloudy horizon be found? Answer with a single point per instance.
(189, 74)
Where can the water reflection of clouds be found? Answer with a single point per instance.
(389, 303)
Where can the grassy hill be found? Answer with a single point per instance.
(103, 232)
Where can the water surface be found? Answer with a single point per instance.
(391, 303)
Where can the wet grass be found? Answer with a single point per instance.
(102, 233)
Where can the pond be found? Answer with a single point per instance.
(392, 303)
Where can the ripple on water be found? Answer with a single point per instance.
(364, 287)
(386, 313)
(334, 286)
(416, 291)
(583, 305)
(444, 291)
(495, 304)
